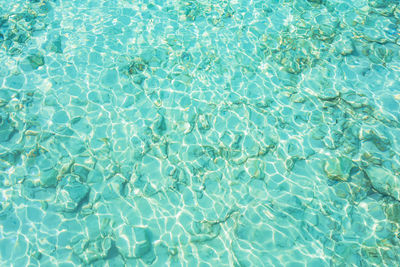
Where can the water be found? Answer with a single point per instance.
(199, 133)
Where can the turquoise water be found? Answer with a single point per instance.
(199, 133)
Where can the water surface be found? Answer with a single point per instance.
(199, 133)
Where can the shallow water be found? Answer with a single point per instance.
(199, 133)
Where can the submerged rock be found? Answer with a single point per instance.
(36, 60)
(71, 193)
(54, 45)
(377, 28)
(392, 211)
(344, 46)
(137, 66)
(48, 178)
(133, 242)
(338, 169)
(294, 60)
(91, 250)
(315, 1)
(382, 7)
(384, 181)
(16, 28)
(379, 54)
(6, 128)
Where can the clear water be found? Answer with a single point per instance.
(199, 133)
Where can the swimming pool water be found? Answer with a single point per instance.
(199, 133)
